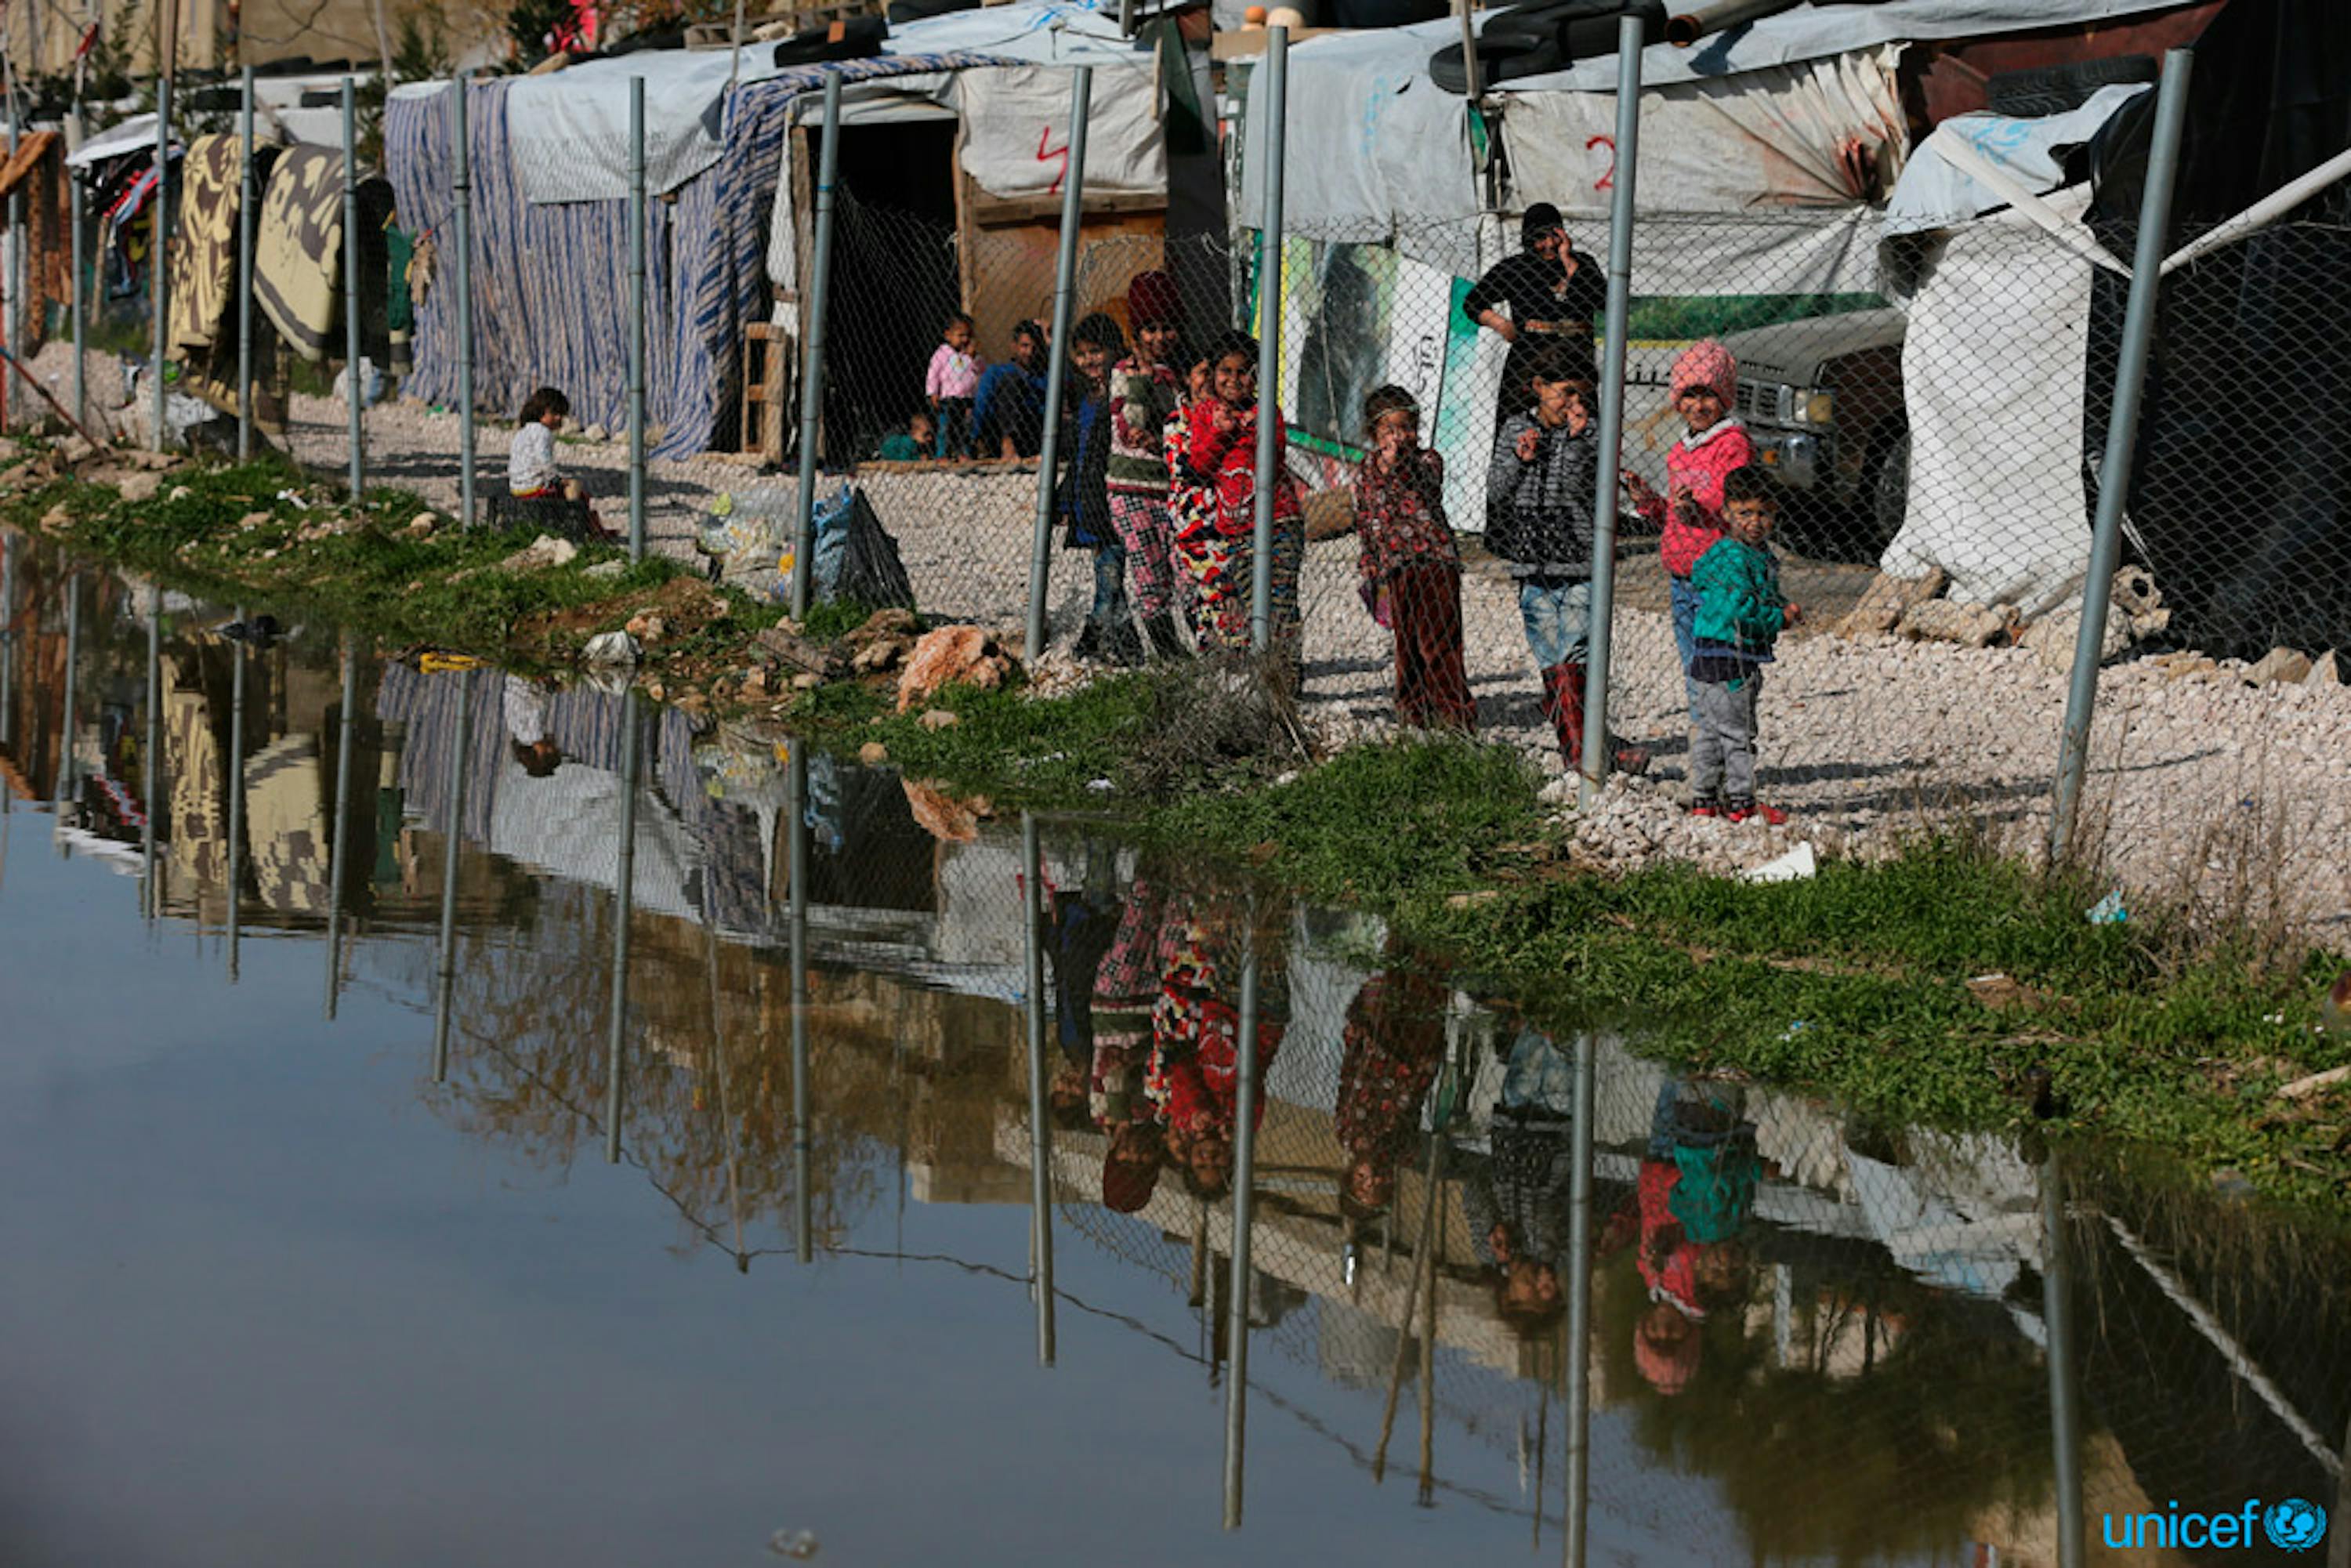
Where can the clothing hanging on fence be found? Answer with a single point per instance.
(298, 256)
(203, 269)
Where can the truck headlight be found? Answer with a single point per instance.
(1817, 408)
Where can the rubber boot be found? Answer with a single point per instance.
(1568, 719)
(1089, 643)
(1121, 644)
(1166, 643)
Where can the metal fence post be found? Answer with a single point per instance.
(1040, 1132)
(1244, 1208)
(1057, 352)
(17, 269)
(337, 860)
(1268, 357)
(623, 912)
(637, 318)
(66, 788)
(235, 800)
(1593, 764)
(1578, 1357)
(461, 236)
(248, 195)
(159, 273)
(351, 286)
(827, 164)
(2122, 433)
(74, 205)
(446, 970)
(2064, 1397)
(151, 769)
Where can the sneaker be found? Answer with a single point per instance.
(1705, 806)
(1748, 811)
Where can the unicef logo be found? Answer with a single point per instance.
(2293, 1525)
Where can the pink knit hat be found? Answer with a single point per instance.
(1707, 364)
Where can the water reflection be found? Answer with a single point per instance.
(1306, 1168)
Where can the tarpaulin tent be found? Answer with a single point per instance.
(550, 280)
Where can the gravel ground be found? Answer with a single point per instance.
(2236, 794)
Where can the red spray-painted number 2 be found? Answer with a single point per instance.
(1607, 181)
(1047, 155)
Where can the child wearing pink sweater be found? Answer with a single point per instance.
(951, 383)
(1714, 446)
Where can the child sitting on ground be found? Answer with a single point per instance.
(917, 442)
(531, 473)
(951, 383)
(1740, 614)
(1409, 560)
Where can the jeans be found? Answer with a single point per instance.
(1110, 588)
(1557, 614)
(1684, 598)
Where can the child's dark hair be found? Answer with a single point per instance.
(1228, 344)
(1102, 331)
(1025, 327)
(1749, 482)
(1558, 362)
(542, 403)
(1385, 400)
(958, 318)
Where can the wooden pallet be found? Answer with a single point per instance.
(766, 368)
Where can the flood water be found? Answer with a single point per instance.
(325, 1242)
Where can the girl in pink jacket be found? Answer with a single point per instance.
(1704, 385)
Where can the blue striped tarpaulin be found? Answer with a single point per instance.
(551, 283)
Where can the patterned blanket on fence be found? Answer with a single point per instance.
(299, 250)
(204, 240)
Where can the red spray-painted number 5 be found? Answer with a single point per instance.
(1047, 153)
(1607, 181)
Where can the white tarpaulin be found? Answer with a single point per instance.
(1936, 193)
(568, 132)
(1998, 337)
(1016, 123)
(1825, 132)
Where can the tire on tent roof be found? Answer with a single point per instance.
(860, 38)
(905, 11)
(2057, 89)
(1544, 36)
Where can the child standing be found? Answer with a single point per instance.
(1146, 393)
(1740, 614)
(1540, 490)
(1410, 559)
(950, 385)
(531, 471)
(1199, 549)
(1223, 431)
(1084, 498)
(1714, 444)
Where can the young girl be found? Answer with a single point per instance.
(531, 473)
(951, 383)
(1084, 498)
(1223, 431)
(1146, 393)
(1705, 384)
(1198, 550)
(1410, 560)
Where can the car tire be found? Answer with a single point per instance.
(1889, 490)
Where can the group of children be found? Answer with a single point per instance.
(1716, 518)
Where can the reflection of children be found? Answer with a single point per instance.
(950, 384)
(524, 710)
(1409, 560)
(1195, 1072)
(1696, 1191)
(531, 471)
(1517, 1198)
(1713, 446)
(1740, 614)
(1394, 1045)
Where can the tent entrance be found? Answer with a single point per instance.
(895, 277)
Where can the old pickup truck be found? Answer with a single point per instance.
(1821, 400)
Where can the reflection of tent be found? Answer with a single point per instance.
(285, 825)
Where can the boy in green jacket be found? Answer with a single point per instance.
(1740, 615)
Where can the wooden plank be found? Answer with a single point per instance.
(29, 152)
(998, 212)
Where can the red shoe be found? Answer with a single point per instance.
(1707, 806)
(1771, 815)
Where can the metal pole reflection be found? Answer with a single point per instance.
(803, 1201)
(1040, 1130)
(154, 743)
(236, 791)
(623, 913)
(445, 984)
(1578, 1347)
(7, 649)
(1244, 1194)
(67, 786)
(2064, 1402)
(347, 726)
